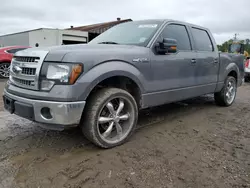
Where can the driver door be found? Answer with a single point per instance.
(173, 73)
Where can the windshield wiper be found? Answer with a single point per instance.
(108, 42)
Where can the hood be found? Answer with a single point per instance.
(101, 52)
(93, 54)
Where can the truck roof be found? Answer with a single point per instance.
(176, 21)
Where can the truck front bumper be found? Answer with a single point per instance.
(57, 115)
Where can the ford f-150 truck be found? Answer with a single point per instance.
(101, 86)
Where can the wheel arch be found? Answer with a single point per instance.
(233, 73)
(114, 74)
(5, 61)
(232, 70)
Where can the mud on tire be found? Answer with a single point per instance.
(110, 117)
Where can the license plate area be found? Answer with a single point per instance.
(9, 104)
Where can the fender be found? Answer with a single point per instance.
(222, 75)
(231, 67)
(5, 61)
(100, 72)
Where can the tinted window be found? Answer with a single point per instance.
(179, 33)
(202, 40)
(12, 51)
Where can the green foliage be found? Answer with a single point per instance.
(224, 47)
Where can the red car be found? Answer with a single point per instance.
(6, 54)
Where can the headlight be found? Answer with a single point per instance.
(60, 74)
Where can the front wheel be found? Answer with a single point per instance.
(110, 117)
(227, 95)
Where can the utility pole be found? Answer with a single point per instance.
(235, 36)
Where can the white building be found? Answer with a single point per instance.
(44, 37)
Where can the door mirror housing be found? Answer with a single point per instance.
(166, 46)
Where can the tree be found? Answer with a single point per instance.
(247, 41)
(247, 46)
(225, 45)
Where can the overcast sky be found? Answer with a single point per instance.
(222, 17)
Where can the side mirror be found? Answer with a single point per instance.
(166, 46)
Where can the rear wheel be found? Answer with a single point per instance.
(110, 117)
(227, 95)
(247, 79)
(4, 70)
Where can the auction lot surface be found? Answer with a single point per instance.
(193, 144)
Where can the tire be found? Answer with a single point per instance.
(221, 98)
(97, 111)
(247, 79)
(4, 70)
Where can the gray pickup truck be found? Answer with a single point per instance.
(101, 86)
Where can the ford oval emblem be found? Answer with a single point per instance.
(16, 69)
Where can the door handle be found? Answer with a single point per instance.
(193, 60)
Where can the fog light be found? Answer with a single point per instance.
(46, 85)
(46, 114)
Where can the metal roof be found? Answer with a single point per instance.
(99, 26)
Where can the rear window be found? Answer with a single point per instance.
(202, 40)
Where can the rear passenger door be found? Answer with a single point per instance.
(207, 62)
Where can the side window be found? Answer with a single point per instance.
(202, 40)
(19, 49)
(12, 51)
(179, 33)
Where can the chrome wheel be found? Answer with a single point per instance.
(115, 120)
(4, 70)
(230, 91)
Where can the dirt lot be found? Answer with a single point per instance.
(193, 144)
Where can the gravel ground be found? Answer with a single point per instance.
(191, 144)
(2, 83)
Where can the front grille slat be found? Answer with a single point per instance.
(26, 59)
(28, 71)
(23, 82)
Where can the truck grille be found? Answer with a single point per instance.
(26, 59)
(25, 68)
(23, 82)
(28, 71)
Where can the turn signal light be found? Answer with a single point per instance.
(75, 73)
(173, 48)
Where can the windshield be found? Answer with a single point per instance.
(130, 33)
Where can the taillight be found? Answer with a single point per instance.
(247, 63)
